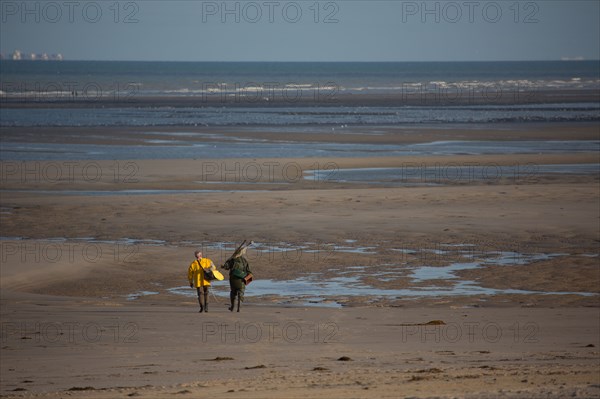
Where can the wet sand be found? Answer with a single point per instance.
(70, 262)
(302, 134)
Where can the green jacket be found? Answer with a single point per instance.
(241, 267)
(237, 267)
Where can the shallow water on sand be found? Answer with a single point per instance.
(331, 289)
(437, 174)
(315, 290)
(178, 149)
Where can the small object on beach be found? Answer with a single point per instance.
(260, 366)
(590, 346)
(344, 359)
(435, 323)
(431, 370)
(318, 368)
(220, 358)
(81, 389)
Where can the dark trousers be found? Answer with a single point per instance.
(203, 292)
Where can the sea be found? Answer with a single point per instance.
(283, 94)
(286, 97)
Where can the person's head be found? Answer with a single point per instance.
(198, 254)
(241, 253)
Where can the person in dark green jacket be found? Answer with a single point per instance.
(238, 268)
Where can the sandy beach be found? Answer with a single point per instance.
(417, 183)
(470, 288)
(153, 350)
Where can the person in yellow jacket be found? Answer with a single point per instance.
(197, 278)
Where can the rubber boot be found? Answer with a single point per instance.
(205, 301)
(232, 300)
(239, 298)
(200, 303)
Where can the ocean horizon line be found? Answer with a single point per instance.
(569, 60)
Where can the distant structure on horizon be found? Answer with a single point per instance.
(17, 55)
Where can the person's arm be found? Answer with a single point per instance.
(227, 265)
(191, 275)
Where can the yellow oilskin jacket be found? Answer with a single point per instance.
(196, 272)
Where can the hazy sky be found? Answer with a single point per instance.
(342, 30)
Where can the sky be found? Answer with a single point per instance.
(302, 30)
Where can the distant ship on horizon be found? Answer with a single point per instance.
(578, 58)
(18, 55)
